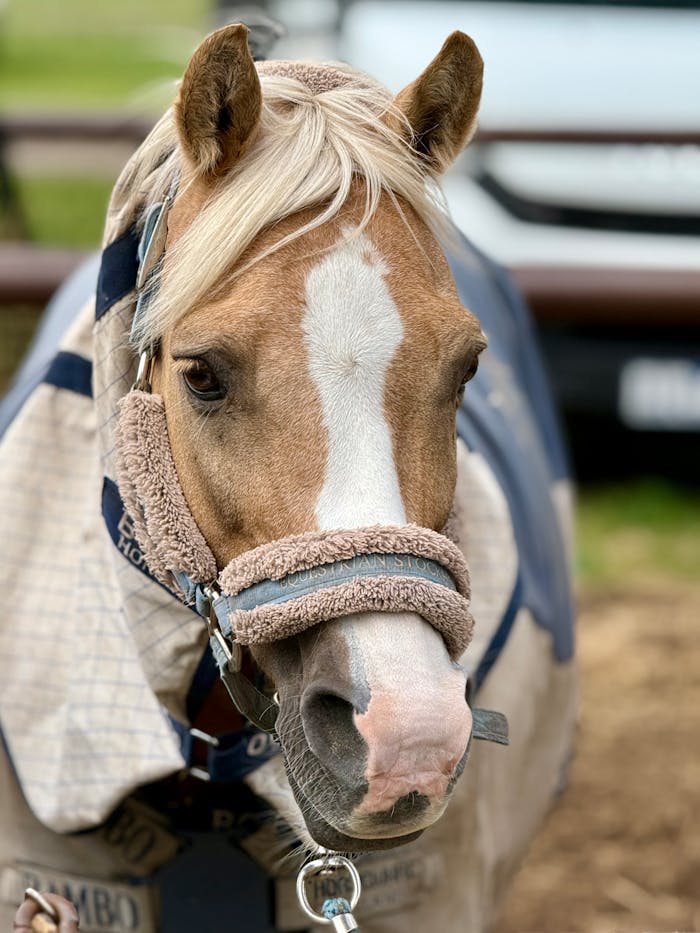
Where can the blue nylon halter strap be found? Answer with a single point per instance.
(229, 757)
(302, 582)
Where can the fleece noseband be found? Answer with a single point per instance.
(284, 587)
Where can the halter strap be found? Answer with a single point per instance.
(151, 250)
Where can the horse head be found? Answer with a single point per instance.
(311, 354)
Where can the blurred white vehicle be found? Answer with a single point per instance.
(584, 180)
(551, 68)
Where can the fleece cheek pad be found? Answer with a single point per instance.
(284, 587)
(148, 482)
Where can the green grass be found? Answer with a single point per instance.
(90, 16)
(642, 531)
(64, 211)
(78, 54)
(71, 73)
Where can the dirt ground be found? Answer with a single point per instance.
(621, 850)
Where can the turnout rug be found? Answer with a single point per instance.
(97, 659)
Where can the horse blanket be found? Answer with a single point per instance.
(100, 666)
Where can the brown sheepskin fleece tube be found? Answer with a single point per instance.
(148, 482)
(445, 610)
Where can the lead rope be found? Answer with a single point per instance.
(335, 911)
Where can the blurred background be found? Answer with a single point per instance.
(585, 181)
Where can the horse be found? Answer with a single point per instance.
(265, 433)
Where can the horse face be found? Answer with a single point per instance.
(319, 393)
(318, 390)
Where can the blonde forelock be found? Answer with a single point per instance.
(309, 149)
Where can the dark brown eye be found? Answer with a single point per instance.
(203, 383)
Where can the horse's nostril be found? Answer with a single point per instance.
(327, 719)
(330, 731)
(333, 707)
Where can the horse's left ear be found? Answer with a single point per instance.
(218, 108)
(441, 105)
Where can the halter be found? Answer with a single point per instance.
(285, 587)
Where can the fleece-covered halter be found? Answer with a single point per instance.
(284, 587)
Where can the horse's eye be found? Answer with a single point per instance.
(202, 382)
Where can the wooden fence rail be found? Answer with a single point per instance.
(110, 127)
(29, 274)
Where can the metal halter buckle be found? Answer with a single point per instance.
(195, 771)
(231, 649)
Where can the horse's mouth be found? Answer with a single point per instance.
(376, 832)
(329, 837)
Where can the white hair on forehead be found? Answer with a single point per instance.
(309, 149)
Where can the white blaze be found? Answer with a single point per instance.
(417, 724)
(353, 329)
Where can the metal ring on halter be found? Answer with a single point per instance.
(144, 373)
(317, 867)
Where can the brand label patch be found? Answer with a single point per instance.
(389, 883)
(103, 907)
(139, 837)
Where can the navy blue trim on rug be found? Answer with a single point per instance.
(205, 677)
(118, 270)
(500, 636)
(70, 371)
(120, 526)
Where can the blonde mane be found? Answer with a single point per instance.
(310, 147)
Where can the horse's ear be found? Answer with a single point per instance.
(440, 106)
(218, 108)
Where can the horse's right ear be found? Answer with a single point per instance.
(218, 108)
